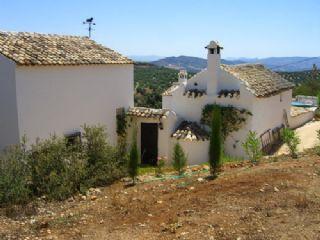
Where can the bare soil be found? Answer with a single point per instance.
(277, 199)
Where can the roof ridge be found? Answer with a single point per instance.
(42, 34)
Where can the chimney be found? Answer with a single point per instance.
(182, 77)
(213, 67)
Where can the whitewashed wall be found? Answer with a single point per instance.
(299, 120)
(9, 131)
(197, 152)
(58, 99)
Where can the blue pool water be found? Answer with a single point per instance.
(300, 104)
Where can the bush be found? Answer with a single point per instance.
(179, 159)
(57, 170)
(252, 147)
(290, 138)
(159, 168)
(14, 176)
(215, 151)
(103, 166)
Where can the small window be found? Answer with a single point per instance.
(211, 50)
(195, 84)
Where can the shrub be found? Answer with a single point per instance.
(56, 170)
(159, 168)
(133, 158)
(252, 147)
(179, 159)
(290, 138)
(215, 151)
(317, 148)
(103, 166)
(14, 176)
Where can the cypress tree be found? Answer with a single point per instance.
(215, 152)
(133, 159)
(179, 159)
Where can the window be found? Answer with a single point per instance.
(211, 50)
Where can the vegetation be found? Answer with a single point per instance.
(179, 159)
(215, 151)
(317, 148)
(290, 138)
(150, 82)
(232, 119)
(133, 158)
(252, 147)
(159, 168)
(57, 170)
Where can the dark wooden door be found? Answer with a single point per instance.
(149, 143)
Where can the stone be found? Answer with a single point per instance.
(276, 189)
(200, 179)
(93, 198)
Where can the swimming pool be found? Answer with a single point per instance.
(300, 104)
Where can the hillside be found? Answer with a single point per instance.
(191, 64)
(277, 199)
(195, 64)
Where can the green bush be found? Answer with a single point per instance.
(290, 138)
(317, 148)
(133, 159)
(179, 159)
(252, 147)
(159, 168)
(56, 169)
(103, 166)
(215, 151)
(14, 176)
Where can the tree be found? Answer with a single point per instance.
(133, 158)
(179, 159)
(215, 151)
(252, 147)
(290, 138)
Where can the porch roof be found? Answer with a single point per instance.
(148, 112)
(190, 131)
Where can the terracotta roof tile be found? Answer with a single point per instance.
(261, 81)
(190, 131)
(43, 49)
(148, 112)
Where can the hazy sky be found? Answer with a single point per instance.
(245, 28)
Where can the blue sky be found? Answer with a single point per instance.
(246, 28)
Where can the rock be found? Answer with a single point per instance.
(83, 197)
(261, 190)
(93, 198)
(206, 167)
(159, 201)
(149, 215)
(191, 188)
(276, 189)
(200, 179)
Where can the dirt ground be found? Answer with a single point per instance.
(277, 199)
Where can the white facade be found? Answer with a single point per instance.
(37, 101)
(268, 112)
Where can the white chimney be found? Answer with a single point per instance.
(183, 77)
(213, 67)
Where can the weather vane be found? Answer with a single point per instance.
(90, 22)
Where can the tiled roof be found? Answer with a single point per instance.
(261, 81)
(148, 112)
(190, 131)
(43, 49)
(171, 89)
(194, 93)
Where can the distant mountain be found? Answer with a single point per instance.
(145, 58)
(285, 64)
(192, 64)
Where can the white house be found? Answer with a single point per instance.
(54, 84)
(250, 87)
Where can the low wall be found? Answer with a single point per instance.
(299, 120)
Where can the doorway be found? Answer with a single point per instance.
(149, 143)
